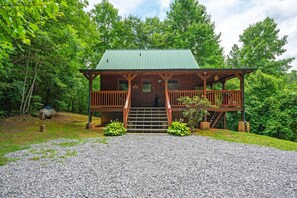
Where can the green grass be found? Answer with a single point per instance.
(69, 153)
(248, 138)
(67, 144)
(102, 140)
(17, 133)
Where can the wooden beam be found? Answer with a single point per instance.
(238, 76)
(169, 76)
(202, 78)
(204, 84)
(126, 76)
(166, 77)
(162, 77)
(133, 76)
(93, 76)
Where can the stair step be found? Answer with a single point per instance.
(147, 112)
(153, 113)
(147, 130)
(147, 108)
(147, 125)
(147, 118)
(146, 121)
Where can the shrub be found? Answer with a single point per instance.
(178, 128)
(115, 128)
(195, 109)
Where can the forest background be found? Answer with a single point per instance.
(43, 43)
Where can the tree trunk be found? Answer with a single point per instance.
(24, 88)
(26, 101)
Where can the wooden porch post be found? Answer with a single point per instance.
(204, 91)
(127, 106)
(225, 120)
(204, 78)
(167, 99)
(242, 97)
(90, 77)
(241, 78)
(224, 88)
(224, 84)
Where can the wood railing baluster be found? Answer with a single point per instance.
(224, 98)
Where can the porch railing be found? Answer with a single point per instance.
(127, 109)
(224, 98)
(175, 94)
(221, 98)
(108, 98)
(168, 107)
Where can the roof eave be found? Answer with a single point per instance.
(246, 70)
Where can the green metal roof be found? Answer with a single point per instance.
(147, 60)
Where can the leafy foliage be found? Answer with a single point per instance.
(115, 128)
(44, 43)
(195, 109)
(178, 128)
(19, 22)
(262, 48)
(189, 26)
(271, 106)
(270, 91)
(44, 71)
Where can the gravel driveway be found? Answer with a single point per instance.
(149, 166)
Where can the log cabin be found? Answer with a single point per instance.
(141, 88)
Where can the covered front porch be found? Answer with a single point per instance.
(122, 90)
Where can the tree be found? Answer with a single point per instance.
(154, 30)
(195, 109)
(46, 71)
(271, 106)
(132, 34)
(189, 26)
(19, 21)
(269, 91)
(261, 49)
(108, 24)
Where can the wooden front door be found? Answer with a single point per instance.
(147, 92)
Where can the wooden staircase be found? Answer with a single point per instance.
(215, 119)
(147, 120)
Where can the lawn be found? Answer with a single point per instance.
(17, 133)
(248, 138)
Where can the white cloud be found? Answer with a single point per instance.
(164, 6)
(233, 16)
(125, 7)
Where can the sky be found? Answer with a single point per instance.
(231, 17)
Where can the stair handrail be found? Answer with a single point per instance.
(127, 108)
(168, 107)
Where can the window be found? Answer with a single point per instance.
(123, 85)
(146, 86)
(172, 84)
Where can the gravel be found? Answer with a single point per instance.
(149, 166)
